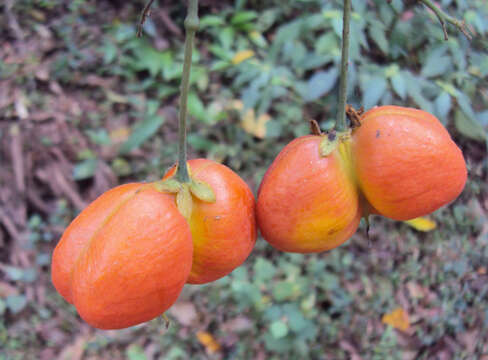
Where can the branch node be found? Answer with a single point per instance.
(445, 18)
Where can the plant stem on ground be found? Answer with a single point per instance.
(341, 109)
(191, 26)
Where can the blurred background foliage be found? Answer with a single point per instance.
(86, 105)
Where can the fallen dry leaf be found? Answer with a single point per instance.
(422, 224)
(208, 341)
(415, 290)
(238, 324)
(398, 318)
(74, 351)
(184, 312)
(255, 126)
(242, 56)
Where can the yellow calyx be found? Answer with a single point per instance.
(185, 191)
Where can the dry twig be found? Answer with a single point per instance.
(144, 15)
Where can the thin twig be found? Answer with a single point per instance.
(341, 110)
(144, 15)
(445, 18)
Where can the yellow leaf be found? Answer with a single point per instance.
(241, 56)
(236, 105)
(120, 134)
(208, 341)
(256, 127)
(422, 224)
(398, 318)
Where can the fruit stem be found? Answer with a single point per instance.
(191, 27)
(341, 110)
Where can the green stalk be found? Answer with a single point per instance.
(191, 27)
(443, 18)
(341, 110)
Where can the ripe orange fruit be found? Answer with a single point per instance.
(405, 162)
(400, 163)
(125, 258)
(307, 202)
(224, 232)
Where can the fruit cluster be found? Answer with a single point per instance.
(126, 257)
(399, 162)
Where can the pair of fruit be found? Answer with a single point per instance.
(126, 257)
(399, 162)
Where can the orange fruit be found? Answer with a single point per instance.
(308, 202)
(405, 162)
(224, 232)
(400, 163)
(125, 258)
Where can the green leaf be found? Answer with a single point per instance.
(196, 107)
(43, 259)
(258, 39)
(296, 320)
(199, 142)
(220, 65)
(85, 169)
(121, 167)
(414, 90)
(320, 83)
(373, 89)
(135, 352)
(278, 329)
(149, 27)
(109, 51)
(243, 17)
(399, 85)
(3, 307)
(264, 270)
(436, 66)
(443, 105)
(149, 59)
(16, 303)
(469, 127)
(142, 131)
(13, 273)
(211, 21)
(29, 275)
(283, 290)
(99, 136)
(377, 33)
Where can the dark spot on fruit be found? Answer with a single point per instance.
(331, 231)
(331, 136)
(377, 133)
